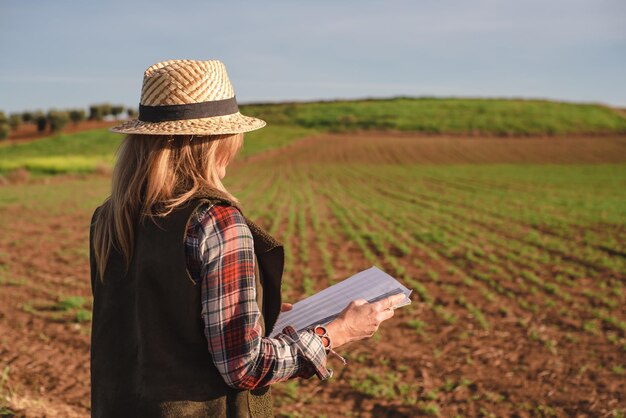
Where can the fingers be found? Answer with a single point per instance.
(385, 314)
(358, 302)
(389, 302)
(396, 299)
(286, 307)
(362, 319)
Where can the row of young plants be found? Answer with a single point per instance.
(562, 213)
(515, 268)
(386, 237)
(466, 251)
(504, 215)
(367, 239)
(522, 269)
(361, 223)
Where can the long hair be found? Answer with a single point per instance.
(153, 175)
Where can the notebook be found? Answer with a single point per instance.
(372, 285)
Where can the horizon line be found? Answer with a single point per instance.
(364, 98)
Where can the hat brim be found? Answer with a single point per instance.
(227, 124)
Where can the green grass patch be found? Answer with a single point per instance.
(66, 309)
(70, 302)
(82, 194)
(97, 142)
(74, 153)
(417, 325)
(84, 152)
(446, 115)
(57, 164)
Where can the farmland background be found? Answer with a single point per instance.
(506, 218)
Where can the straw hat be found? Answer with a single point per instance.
(181, 97)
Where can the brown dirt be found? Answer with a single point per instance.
(45, 351)
(405, 148)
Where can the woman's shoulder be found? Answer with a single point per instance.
(211, 217)
(95, 215)
(215, 229)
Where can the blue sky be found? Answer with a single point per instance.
(66, 53)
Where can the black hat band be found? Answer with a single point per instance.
(188, 111)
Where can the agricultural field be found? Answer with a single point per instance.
(515, 248)
(94, 150)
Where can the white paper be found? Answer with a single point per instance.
(372, 284)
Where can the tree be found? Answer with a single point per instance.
(77, 115)
(27, 117)
(41, 121)
(15, 120)
(4, 130)
(95, 112)
(99, 111)
(4, 127)
(131, 112)
(117, 110)
(57, 119)
(106, 109)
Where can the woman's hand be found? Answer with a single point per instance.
(361, 319)
(286, 307)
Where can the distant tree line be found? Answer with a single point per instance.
(54, 120)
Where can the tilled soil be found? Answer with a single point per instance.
(449, 369)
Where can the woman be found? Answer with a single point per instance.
(186, 288)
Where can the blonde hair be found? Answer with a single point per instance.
(153, 175)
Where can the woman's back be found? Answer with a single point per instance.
(149, 355)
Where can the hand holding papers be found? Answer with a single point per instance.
(372, 285)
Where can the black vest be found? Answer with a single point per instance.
(149, 354)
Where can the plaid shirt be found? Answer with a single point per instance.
(220, 255)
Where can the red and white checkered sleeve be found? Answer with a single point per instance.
(220, 251)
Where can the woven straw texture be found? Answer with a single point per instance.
(176, 82)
